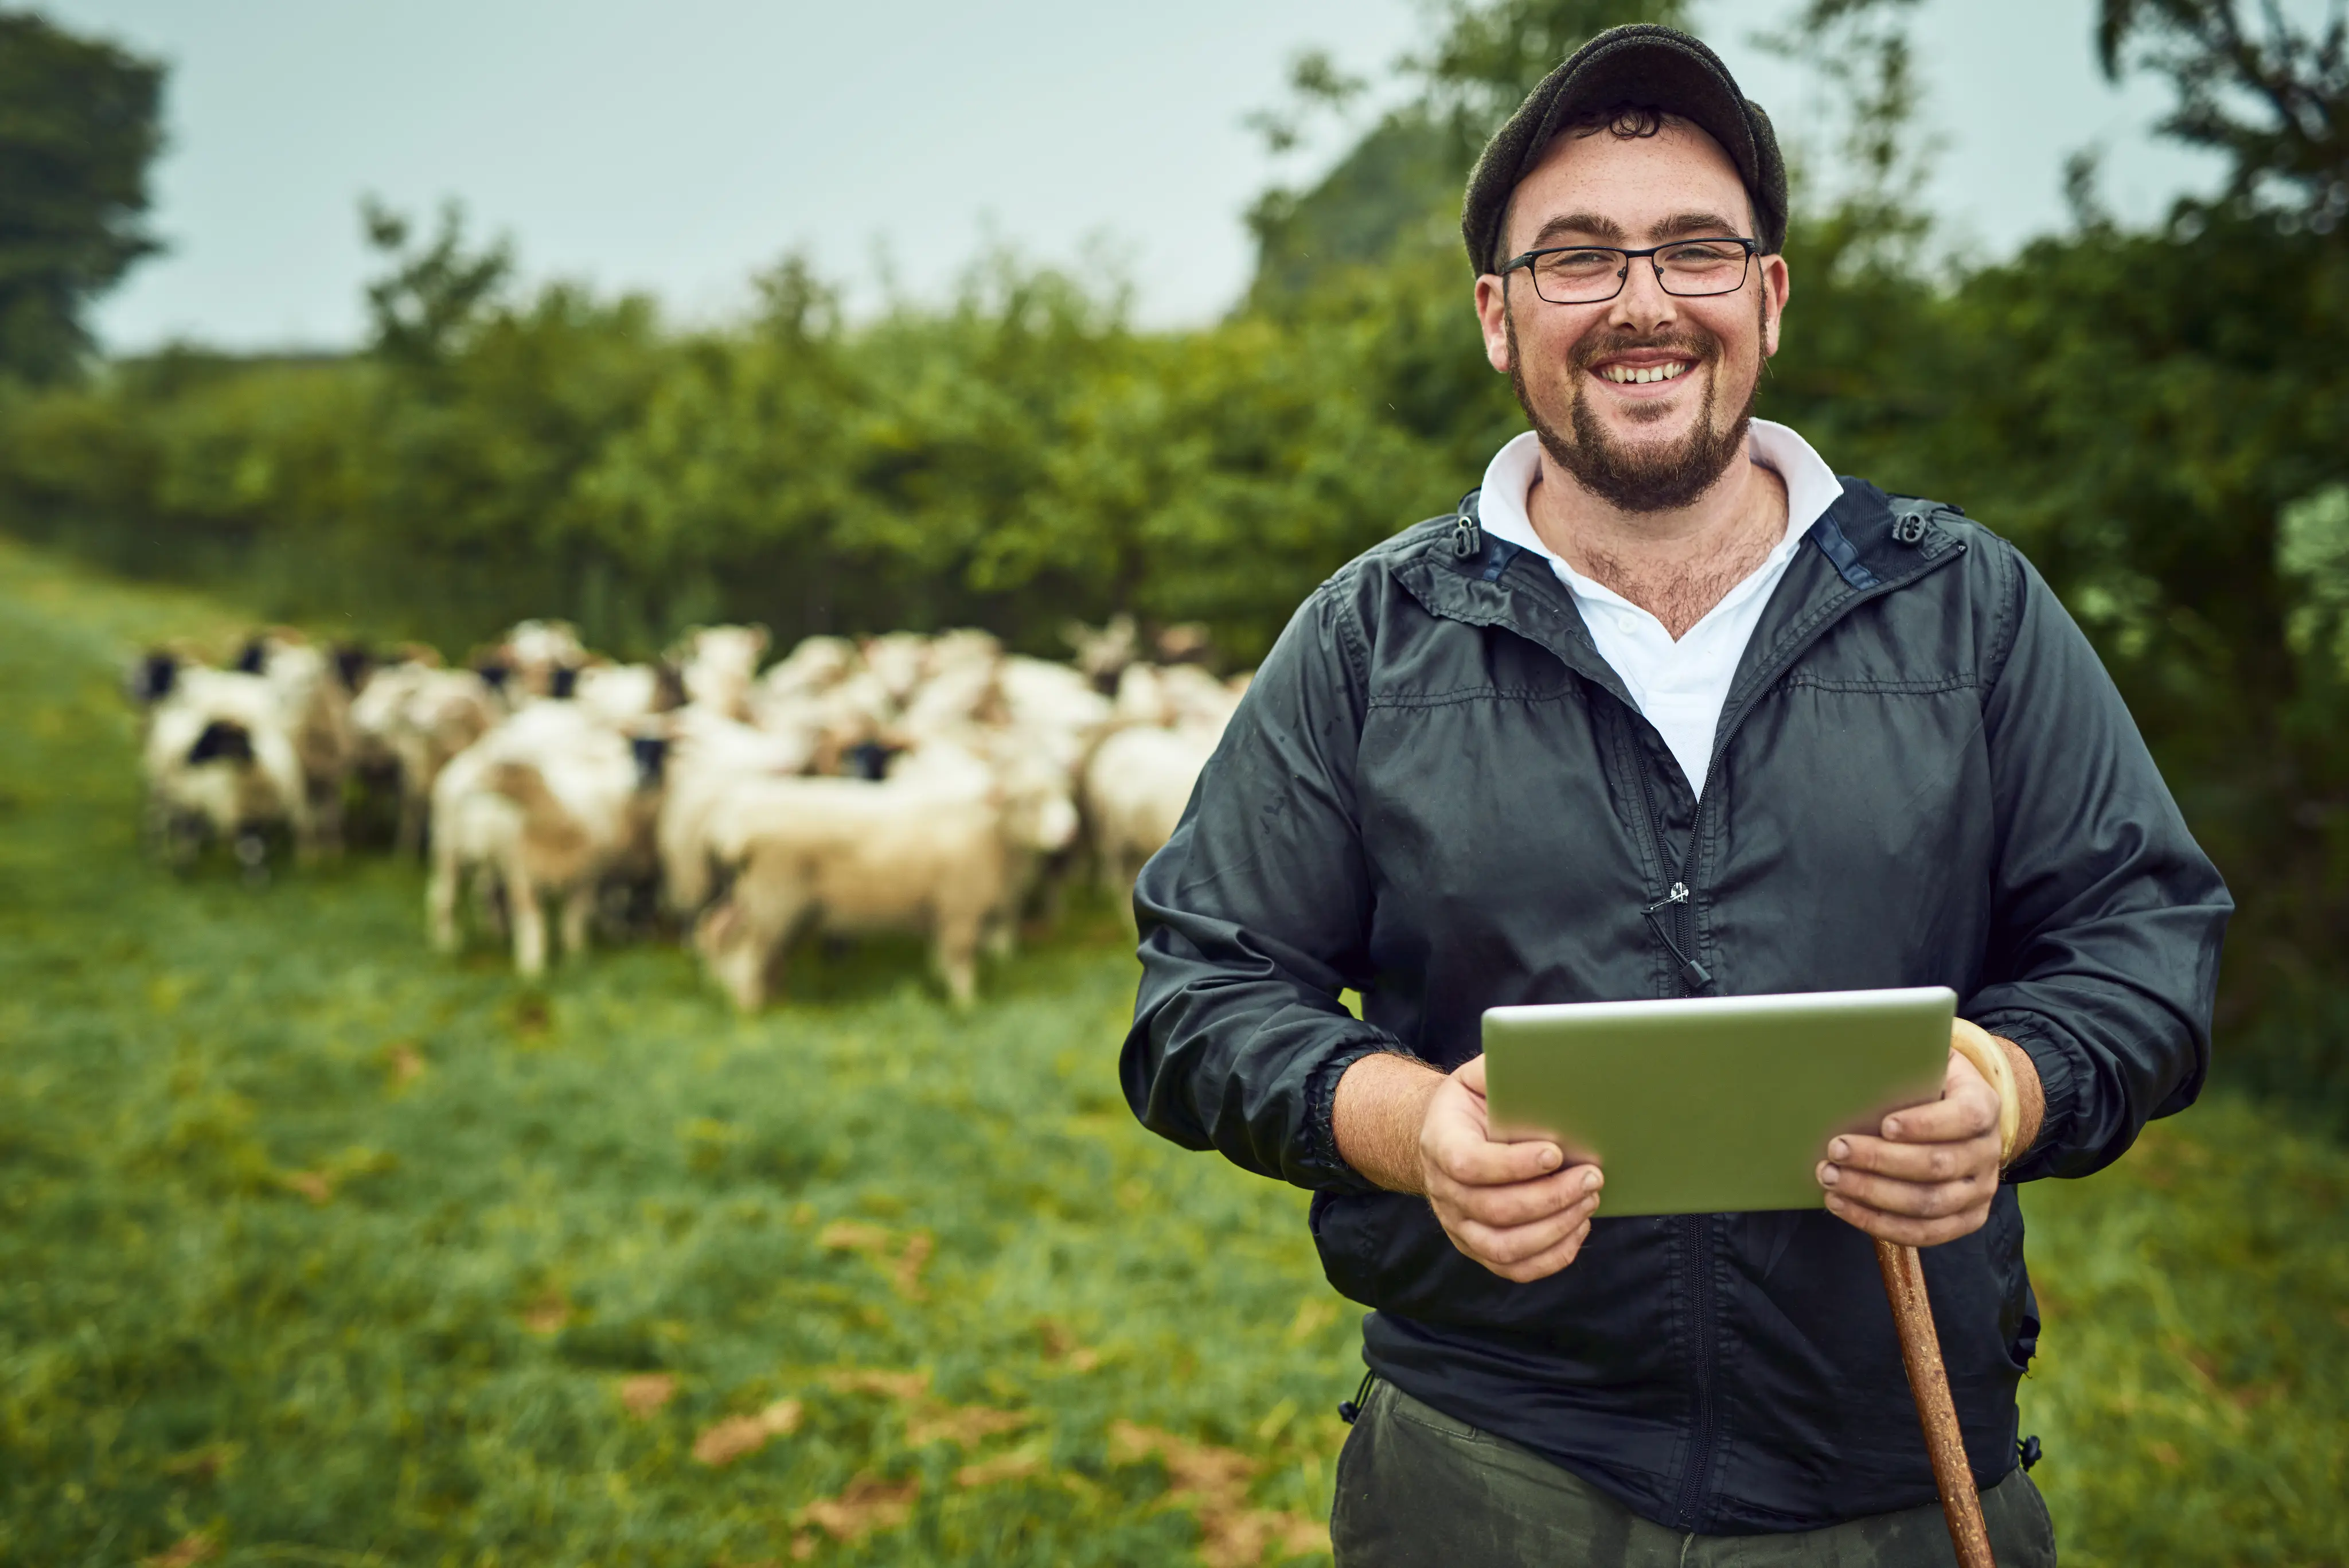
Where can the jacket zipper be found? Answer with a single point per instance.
(1675, 935)
(1696, 1264)
(1679, 935)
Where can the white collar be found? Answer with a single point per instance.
(1811, 488)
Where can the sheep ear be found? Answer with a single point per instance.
(766, 639)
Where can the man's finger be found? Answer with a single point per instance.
(1517, 1203)
(1917, 1200)
(1517, 1244)
(1544, 1263)
(1468, 1156)
(1914, 1162)
(1907, 1230)
(1964, 1115)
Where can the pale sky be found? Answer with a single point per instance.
(678, 148)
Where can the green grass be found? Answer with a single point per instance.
(315, 1249)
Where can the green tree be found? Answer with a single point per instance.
(434, 293)
(79, 125)
(1401, 181)
(2270, 94)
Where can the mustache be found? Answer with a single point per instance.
(1702, 346)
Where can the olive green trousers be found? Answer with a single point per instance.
(1419, 1489)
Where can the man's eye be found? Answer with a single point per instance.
(1580, 263)
(1702, 256)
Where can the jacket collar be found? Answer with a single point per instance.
(1866, 543)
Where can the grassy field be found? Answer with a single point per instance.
(315, 1249)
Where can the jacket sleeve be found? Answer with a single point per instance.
(1253, 918)
(2103, 962)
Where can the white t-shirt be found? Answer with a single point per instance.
(1680, 686)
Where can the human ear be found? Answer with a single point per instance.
(1777, 288)
(1492, 318)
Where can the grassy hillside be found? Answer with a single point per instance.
(315, 1248)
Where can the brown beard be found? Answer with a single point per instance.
(1642, 478)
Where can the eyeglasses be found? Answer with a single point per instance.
(1586, 275)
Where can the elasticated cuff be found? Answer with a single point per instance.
(1324, 1169)
(2062, 1071)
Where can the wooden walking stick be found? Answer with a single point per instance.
(1921, 1351)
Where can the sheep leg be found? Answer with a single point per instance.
(743, 939)
(735, 952)
(1001, 940)
(441, 899)
(578, 905)
(956, 952)
(529, 917)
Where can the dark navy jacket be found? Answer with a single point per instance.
(1437, 793)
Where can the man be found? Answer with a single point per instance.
(1666, 709)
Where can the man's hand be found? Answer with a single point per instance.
(1931, 1175)
(1518, 1208)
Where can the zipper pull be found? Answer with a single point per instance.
(1694, 975)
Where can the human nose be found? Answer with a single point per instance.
(1643, 305)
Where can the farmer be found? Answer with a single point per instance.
(1666, 709)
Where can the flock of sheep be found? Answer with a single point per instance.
(933, 784)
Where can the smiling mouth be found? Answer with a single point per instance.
(1640, 375)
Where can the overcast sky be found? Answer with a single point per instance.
(679, 146)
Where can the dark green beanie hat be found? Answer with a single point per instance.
(1644, 66)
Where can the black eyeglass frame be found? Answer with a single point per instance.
(1752, 248)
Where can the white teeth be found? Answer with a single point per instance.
(1641, 375)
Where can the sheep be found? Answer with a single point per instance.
(708, 756)
(817, 665)
(551, 804)
(220, 760)
(622, 694)
(1103, 655)
(1136, 784)
(545, 656)
(315, 706)
(899, 662)
(1053, 707)
(937, 847)
(963, 645)
(719, 665)
(962, 694)
(853, 721)
(421, 716)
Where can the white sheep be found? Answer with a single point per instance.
(544, 656)
(621, 694)
(709, 756)
(550, 805)
(421, 715)
(314, 707)
(220, 761)
(938, 847)
(815, 665)
(1136, 784)
(719, 666)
